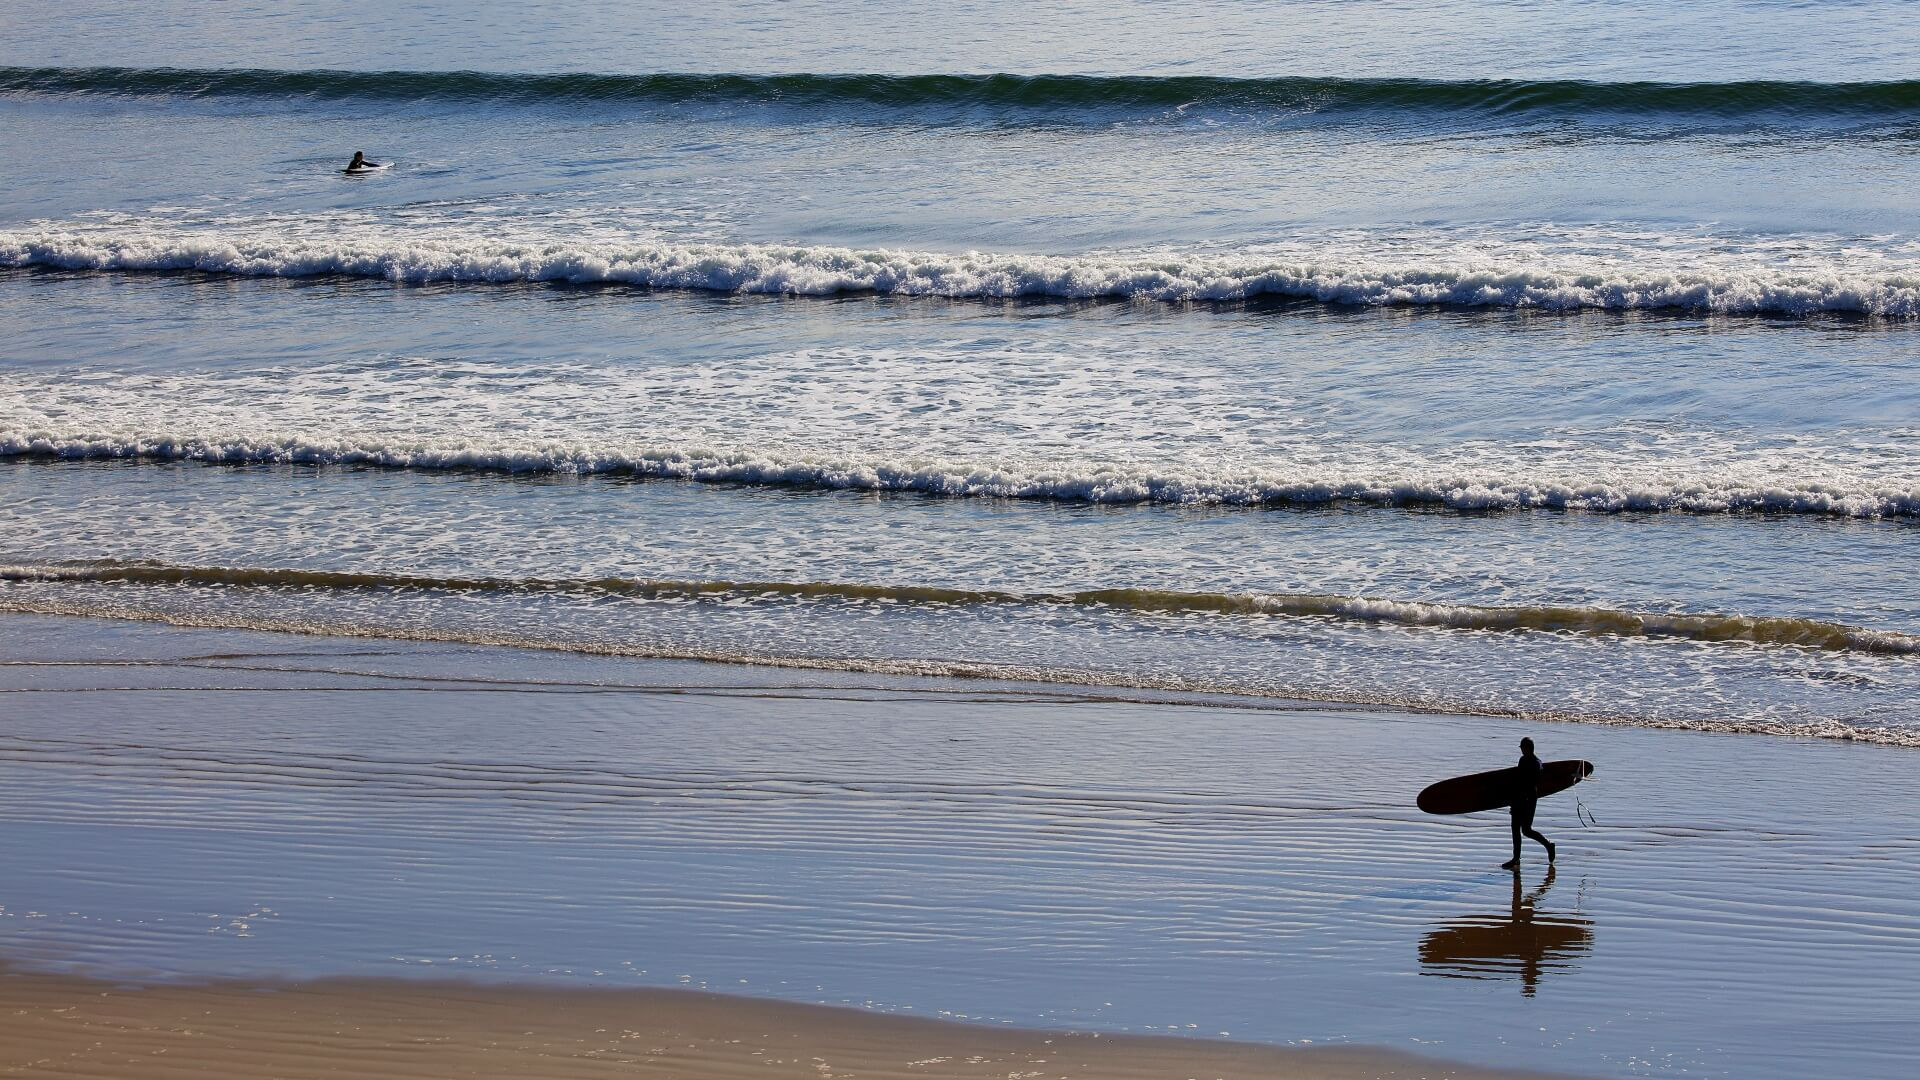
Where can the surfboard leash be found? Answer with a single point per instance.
(1580, 812)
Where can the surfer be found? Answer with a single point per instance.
(360, 163)
(1526, 788)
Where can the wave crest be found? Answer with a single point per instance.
(825, 271)
(1490, 97)
(1090, 483)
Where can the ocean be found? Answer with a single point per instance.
(1322, 356)
(1537, 361)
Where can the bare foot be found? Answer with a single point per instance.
(1514, 864)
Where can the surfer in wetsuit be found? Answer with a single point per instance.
(360, 163)
(1526, 787)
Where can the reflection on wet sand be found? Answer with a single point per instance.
(1522, 945)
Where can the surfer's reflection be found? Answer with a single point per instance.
(1523, 945)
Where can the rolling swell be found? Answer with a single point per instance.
(1054, 93)
(1091, 483)
(793, 270)
(1590, 621)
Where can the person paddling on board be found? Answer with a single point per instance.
(1526, 787)
(360, 163)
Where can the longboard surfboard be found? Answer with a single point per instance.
(1494, 789)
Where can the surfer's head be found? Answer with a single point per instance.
(359, 160)
(1526, 746)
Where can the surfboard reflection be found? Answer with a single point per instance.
(1524, 945)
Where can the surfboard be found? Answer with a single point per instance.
(1494, 789)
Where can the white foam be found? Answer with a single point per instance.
(1488, 489)
(1517, 275)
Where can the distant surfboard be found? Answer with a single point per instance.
(1494, 789)
(364, 170)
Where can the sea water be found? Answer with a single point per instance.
(1535, 359)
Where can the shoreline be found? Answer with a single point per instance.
(975, 671)
(406, 1028)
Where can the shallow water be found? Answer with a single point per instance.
(184, 804)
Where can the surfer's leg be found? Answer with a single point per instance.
(1514, 821)
(1523, 823)
(1544, 842)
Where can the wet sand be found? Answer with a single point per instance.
(587, 841)
(64, 1026)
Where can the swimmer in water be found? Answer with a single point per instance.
(360, 163)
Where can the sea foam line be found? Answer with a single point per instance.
(1093, 483)
(1586, 621)
(1466, 281)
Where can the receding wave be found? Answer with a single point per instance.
(1091, 483)
(826, 271)
(1748, 629)
(1494, 97)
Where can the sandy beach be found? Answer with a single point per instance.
(64, 1026)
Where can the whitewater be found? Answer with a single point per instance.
(1671, 489)
(1804, 281)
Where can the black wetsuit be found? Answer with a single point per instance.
(1526, 796)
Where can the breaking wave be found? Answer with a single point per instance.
(1553, 284)
(1488, 97)
(1594, 621)
(1089, 483)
